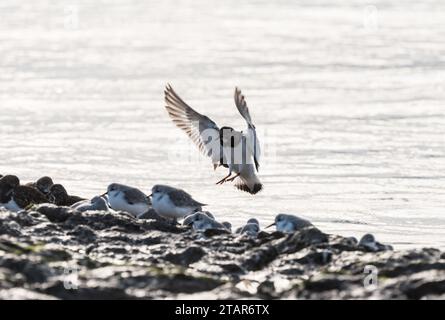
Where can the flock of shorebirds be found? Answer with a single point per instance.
(220, 144)
(168, 202)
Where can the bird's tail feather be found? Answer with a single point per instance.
(253, 187)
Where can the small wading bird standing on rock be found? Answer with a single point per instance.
(172, 203)
(287, 223)
(235, 150)
(126, 198)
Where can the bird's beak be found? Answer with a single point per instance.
(270, 225)
(103, 195)
(151, 194)
(215, 166)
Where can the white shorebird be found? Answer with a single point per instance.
(98, 203)
(173, 203)
(128, 199)
(235, 150)
(200, 221)
(251, 228)
(289, 224)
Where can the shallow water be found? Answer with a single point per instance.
(348, 100)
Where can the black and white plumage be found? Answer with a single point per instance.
(43, 184)
(237, 150)
(59, 196)
(16, 197)
(7, 184)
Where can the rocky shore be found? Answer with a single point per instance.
(51, 252)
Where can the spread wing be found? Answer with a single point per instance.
(252, 139)
(201, 129)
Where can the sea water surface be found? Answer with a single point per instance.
(348, 98)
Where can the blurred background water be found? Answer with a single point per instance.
(348, 98)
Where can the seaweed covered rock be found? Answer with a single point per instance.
(51, 252)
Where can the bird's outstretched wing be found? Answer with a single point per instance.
(201, 129)
(241, 105)
(252, 139)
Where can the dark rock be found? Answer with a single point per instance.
(55, 254)
(232, 268)
(161, 225)
(187, 283)
(83, 234)
(150, 215)
(23, 294)
(260, 258)
(11, 228)
(316, 257)
(429, 284)
(100, 220)
(215, 232)
(328, 282)
(59, 290)
(302, 239)
(266, 290)
(186, 257)
(55, 213)
(112, 255)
